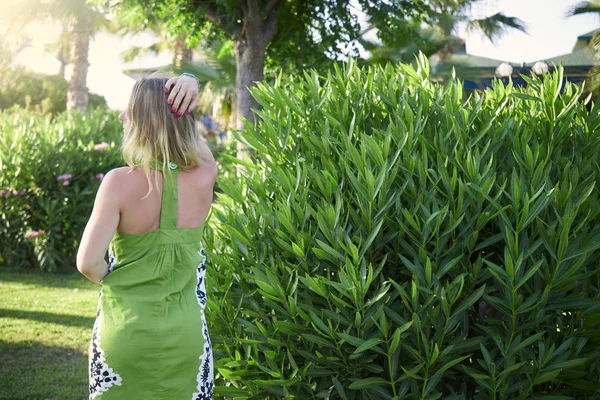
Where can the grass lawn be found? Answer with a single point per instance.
(45, 329)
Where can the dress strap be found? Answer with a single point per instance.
(168, 210)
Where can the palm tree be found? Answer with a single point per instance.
(438, 35)
(590, 8)
(129, 23)
(81, 19)
(585, 7)
(61, 49)
(10, 44)
(176, 45)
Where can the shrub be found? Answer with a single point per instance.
(48, 182)
(226, 156)
(398, 241)
(50, 170)
(44, 94)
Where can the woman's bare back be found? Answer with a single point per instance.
(138, 215)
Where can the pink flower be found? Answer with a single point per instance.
(66, 182)
(33, 234)
(64, 177)
(11, 192)
(100, 176)
(101, 146)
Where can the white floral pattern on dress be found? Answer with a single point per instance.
(102, 377)
(206, 373)
(111, 260)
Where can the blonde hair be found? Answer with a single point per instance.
(153, 132)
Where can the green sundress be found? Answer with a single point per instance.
(150, 338)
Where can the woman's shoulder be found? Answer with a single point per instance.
(120, 171)
(125, 176)
(208, 168)
(122, 176)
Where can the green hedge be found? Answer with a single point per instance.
(399, 241)
(36, 152)
(35, 155)
(42, 94)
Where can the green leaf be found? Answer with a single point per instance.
(339, 388)
(368, 344)
(525, 343)
(530, 272)
(335, 255)
(428, 272)
(297, 250)
(319, 322)
(351, 339)
(592, 245)
(230, 391)
(290, 328)
(435, 378)
(545, 377)
(464, 305)
(397, 335)
(566, 364)
(525, 96)
(368, 383)
(367, 244)
(318, 340)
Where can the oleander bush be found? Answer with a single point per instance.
(38, 93)
(396, 240)
(50, 170)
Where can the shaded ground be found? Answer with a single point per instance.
(45, 328)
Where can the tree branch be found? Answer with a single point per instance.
(253, 18)
(253, 9)
(244, 8)
(210, 13)
(269, 6)
(270, 26)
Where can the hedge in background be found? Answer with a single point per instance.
(396, 240)
(43, 94)
(50, 171)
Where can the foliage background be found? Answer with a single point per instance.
(34, 152)
(43, 94)
(396, 240)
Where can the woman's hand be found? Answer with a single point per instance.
(184, 94)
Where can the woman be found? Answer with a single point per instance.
(150, 338)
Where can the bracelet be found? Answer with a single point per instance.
(192, 76)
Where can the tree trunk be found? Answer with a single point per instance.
(77, 96)
(63, 57)
(181, 52)
(258, 29)
(250, 60)
(62, 47)
(61, 69)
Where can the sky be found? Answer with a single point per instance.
(550, 33)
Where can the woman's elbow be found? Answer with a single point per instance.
(84, 264)
(83, 268)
